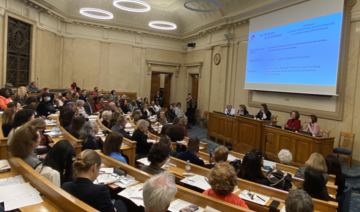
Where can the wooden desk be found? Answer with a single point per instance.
(185, 194)
(3, 143)
(55, 199)
(301, 146)
(242, 133)
(128, 150)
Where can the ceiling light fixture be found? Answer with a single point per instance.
(168, 25)
(206, 1)
(85, 11)
(146, 5)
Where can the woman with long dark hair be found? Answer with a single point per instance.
(334, 167)
(57, 166)
(264, 113)
(315, 185)
(20, 118)
(251, 169)
(76, 125)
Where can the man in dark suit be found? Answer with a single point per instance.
(120, 127)
(157, 97)
(190, 153)
(220, 155)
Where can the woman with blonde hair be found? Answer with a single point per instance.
(21, 95)
(105, 118)
(7, 121)
(40, 125)
(25, 141)
(161, 117)
(86, 167)
(316, 161)
(140, 136)
(222, 179)
(183, 122)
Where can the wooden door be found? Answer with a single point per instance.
(155, 85)
(195, 86)
(167, 90)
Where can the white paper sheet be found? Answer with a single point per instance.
(127, 193)
(129, 130)
(179, 204)
(210, 209)
(232, 158)
(105, 179)
(180, 142)
(50, 122)
(12, 181)
(151, 141)
(53, 115)
(107, 170)
(128, 125)
(93, 117)
(269, 163)
(50, 133)
(125, 182)
(197, 181)
(283, 209)
(244, 195)
(4, 164)
(144, 161)
(25, 201)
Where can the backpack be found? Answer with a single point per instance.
(236, 164)
(279, 179)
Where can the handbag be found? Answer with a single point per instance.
(279, 179)
(236, 164)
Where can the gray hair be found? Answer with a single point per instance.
(159, 191)
(299, 201)
(285, 156)
(106, 114)
(87, 130)
(111, 104)
(142, 123)
(79, 102)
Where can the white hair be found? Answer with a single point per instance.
(159, 191)
(142, 123)
(285, 156)
(111, 103)
(79, 102)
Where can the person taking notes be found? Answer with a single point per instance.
(230, 110)
(294, 122)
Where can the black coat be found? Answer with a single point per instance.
(97, 196)
(171, 114)
(142, 146)
(191, 156)
(45, 109)
(260, 115)
(91, 143)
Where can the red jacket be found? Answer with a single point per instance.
(3, 102)
(230, 198)
(296, 124)
(95, 107)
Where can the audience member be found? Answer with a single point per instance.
(120, 127)
(123, 106)
(112, 146)
(76, 125)
(140, 136)
(25, 141)
(82, 96)
(315, 185)
(7, 121)
(95, 92)
(88, 137)
(183, 122)
(97, 106)
(9, 86)
(334, 168)
(176, 120)
(15, 105)
(190, 154)
(294, 122)
(56, 166)
(171, 113)
(157, 107)
(251, 169)
(105, 118)
(178, 110)
(113, 107)
(20, 119)
(4, 98)
(80, 108)
(137, 118)
(86, 167)
(166, 140)
(40, 125)
(161, 117)
(138, 102)
(66, 117)
(176, 133)
(44, 107)
(159, 191)
(220, 155)
(31, 100)
(132, 105)
(316, 161)
(285, 156)
(113, 120)
(21, 95)
(112, 95)
(222, 179)
(299, 201)
(158, 155)
(33, 88)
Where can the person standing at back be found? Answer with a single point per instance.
(191, 107)
(157, 97)
(190, 153)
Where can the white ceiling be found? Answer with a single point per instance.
(188, 21)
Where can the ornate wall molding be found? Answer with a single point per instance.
(199, 65)
(151, 63)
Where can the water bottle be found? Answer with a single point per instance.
(211, 157)
(57, 130)
(188, 166)
(270, 123)
(324, 135)
(167, 164)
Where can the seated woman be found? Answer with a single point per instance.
(316, 161)
(76, 125)
(242, 110)
(176, 133)
(97, 105)
(24, 143)
(171, 113)
(45, 107)
(21, 95)
(315, 185)
(4, 98)
(7, 121)
(57, 164)
(124, 106)
(294, 122)
(183, 122)
(166, 140)
(312, 126)
(285, 156)
(112, 95)
(140, 136)
(176, 120)
(132, 106)
(112, 146)
(251, 170)
(178, 110)
(80, 108)
(31, 100)
(334, 167)
(20, 119)
(264, 113)
(222, 179)
(66, 117)
(162, 118)
(136, 119)
(113, 119)
(157, 106)
(105, 118)
(43, 147)
(158, 155)
(88, 136)
(144, 112)
(87, 168)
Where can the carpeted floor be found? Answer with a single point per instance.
(352, 175)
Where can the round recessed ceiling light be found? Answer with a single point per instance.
(205, 1)
(163, 25)
(107, 14)
(145, 9)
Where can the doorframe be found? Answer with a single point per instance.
(171, 84)
(193, 71)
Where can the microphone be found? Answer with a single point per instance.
(266, 140)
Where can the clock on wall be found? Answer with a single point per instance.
(217, 59)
